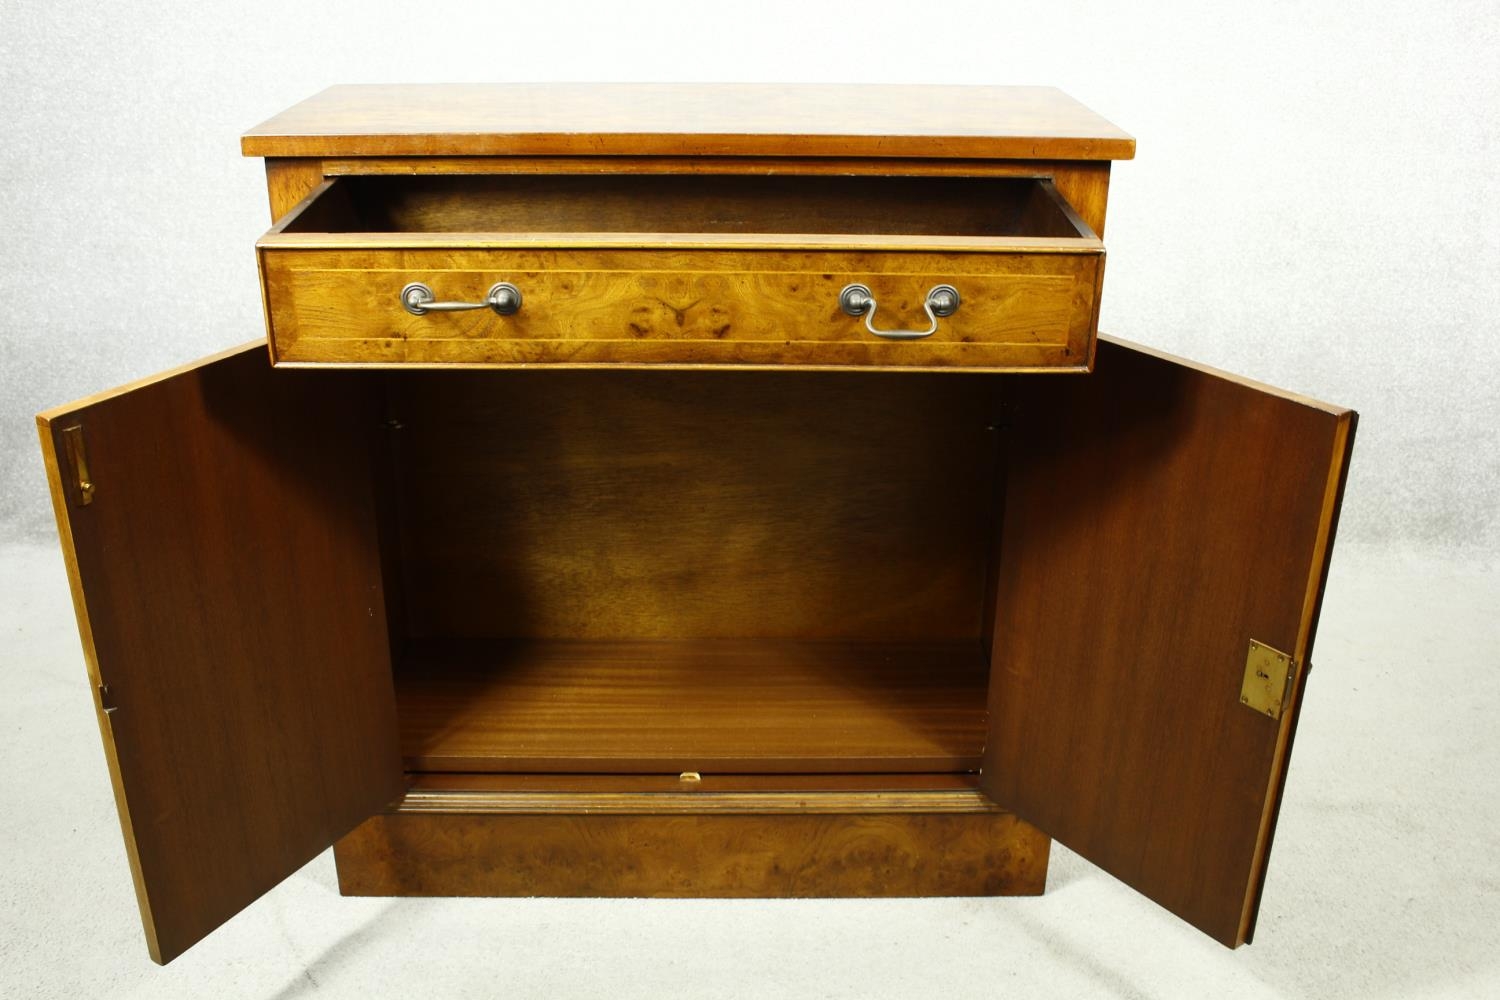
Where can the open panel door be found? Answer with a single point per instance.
(218, 526)
(1159, 517)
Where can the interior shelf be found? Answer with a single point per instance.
(748, 707)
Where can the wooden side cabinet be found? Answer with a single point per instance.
(693, 491)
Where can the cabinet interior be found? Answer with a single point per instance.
(710, 204)
(653, 572)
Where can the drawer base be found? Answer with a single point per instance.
(933, 844)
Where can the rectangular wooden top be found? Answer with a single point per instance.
(690, 120)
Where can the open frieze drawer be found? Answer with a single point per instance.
(683, 269)
(874, 617)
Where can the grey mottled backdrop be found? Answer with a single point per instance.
(1314, 202)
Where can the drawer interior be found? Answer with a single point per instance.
(675, 203)
(725, 572)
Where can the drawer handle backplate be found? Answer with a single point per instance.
(503, 297)
(942, 300)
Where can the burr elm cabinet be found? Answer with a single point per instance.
(713, 491)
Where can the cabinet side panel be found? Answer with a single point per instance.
(227, 584)
(289, 181)
(1159, 517)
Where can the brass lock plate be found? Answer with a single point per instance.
(82, 485)
(1268, 676)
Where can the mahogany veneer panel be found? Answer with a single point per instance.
(1158, 517)
(724, 706)
(226, 579)
(693, 119)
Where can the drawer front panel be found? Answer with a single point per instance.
(594, 307)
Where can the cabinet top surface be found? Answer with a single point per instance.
(690, 120)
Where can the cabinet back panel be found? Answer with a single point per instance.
(694, 505)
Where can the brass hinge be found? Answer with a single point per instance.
(78, 463)
(1268, 679)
